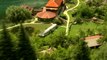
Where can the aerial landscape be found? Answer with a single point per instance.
(53, 29)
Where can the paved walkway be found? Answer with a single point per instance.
(69, 17)
(19, 25)
(32, 22)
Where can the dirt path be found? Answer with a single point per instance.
(69, 17)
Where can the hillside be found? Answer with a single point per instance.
(6, 3)
(53, 30)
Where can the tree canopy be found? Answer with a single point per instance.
(17, 14)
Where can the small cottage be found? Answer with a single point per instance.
(92, 41)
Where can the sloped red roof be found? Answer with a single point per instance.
(54, 3)
(93, 37)
(92, 40)
(46, 14)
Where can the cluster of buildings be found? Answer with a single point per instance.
(50, 9)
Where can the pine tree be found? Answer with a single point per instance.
(6, 46)
(25, 50)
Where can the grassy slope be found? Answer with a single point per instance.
(75, 29)
(39, 27)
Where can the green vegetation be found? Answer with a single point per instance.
(75, 29)
(6, 3)
(6, 46)
(17, 14)
(39, 27)
(84, 11)
(24, 49)
(23, 42)
(32, 28)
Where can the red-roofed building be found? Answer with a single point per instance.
(46, 14)
(54, 4)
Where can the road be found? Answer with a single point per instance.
(69, 17)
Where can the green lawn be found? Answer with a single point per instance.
(75, 29)
(31, 28)
(38, 27)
